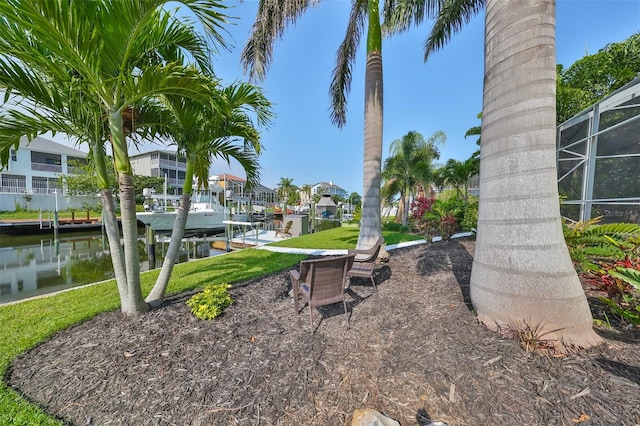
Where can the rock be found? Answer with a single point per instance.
(366, 417)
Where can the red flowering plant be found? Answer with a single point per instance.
(618, 282)
(421, 216)
(431, 217)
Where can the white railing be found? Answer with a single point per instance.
(56, 168)
(13, 189)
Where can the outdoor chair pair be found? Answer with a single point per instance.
(323, 281)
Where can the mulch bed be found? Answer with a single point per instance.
(414, 352)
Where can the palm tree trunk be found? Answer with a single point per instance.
(113, 236)
(522, 274)
(109, 217)
(400, 211)
(371, 225)
(156, 296)
(133, 303)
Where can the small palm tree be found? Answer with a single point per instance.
(286, 191)
(203, 134)
(457, 174)
(410, 164)
(129, 52)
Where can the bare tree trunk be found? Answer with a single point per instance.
(522, 274)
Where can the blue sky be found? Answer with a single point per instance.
(443, 94)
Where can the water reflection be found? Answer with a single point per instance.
(34, 265)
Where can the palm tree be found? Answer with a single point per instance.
(410, 165)
(457, 174)
(205, 134)
(522, 274)
(286, 191)
(111, 72)
(271, 22)
(305, 194)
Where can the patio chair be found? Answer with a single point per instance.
(321, 282)
(286, 231)
(365, 261)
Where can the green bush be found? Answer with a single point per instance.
(607, 259)
(210, 303)
(470, 217)
(394, 227)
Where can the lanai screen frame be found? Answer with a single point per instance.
(598, 159)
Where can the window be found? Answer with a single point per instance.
(14, 155)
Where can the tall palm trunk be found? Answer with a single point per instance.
(522, 273)
(371, 226)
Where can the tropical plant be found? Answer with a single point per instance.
(618, 282)
(588, 241)
(203, 134)
(522, 269)
(424, 221)
(272, 19)
(286, 191)
(409, 165)
(211, 301)
(457, 174)
(100, 87)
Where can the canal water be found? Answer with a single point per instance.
(32, 265)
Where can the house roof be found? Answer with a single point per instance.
(326, 202)
(328, 185)
(41, 144)
(228, 176)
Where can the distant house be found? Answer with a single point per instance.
(31, 178)
(161, 164)
(322, 188)
(235, 188)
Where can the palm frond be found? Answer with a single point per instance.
(271, 21)
(452, 17)
(399, 15)
(345, 58)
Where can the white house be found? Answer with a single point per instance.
(322, 188)
(161, 163)
(30, 180)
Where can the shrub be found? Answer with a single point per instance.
(421, 215)
(210, 303)
(588, 242)
(619, 281)
(470, 217)
(606, 257)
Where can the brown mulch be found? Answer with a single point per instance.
(414, 352)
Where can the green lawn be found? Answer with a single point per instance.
(345, 237)
(28, 323)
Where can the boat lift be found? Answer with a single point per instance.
(247, 230)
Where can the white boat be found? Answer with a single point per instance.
(206, 213)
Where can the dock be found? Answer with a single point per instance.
(45, 226)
